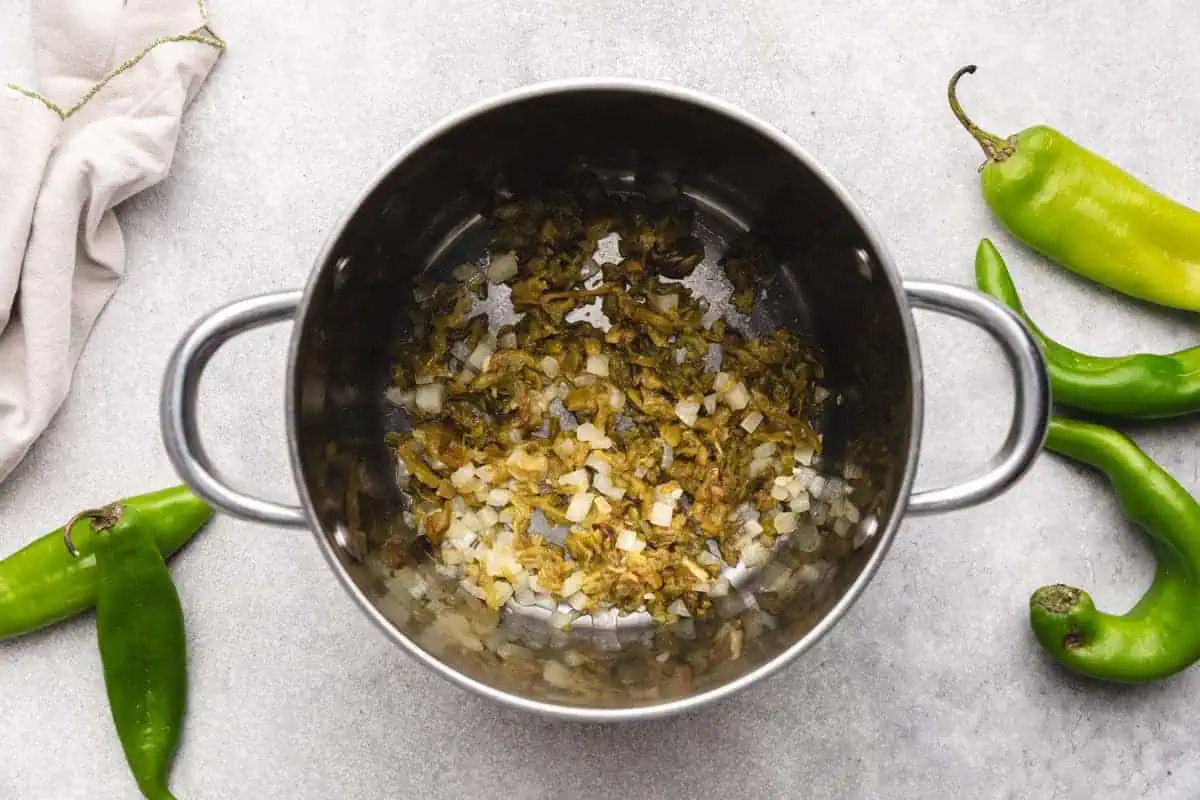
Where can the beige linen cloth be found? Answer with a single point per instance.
(114, 78)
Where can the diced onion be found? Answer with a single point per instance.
(688, 411)
(598, 365)
(678, 608)
(670, 490)
(593, 436)
(664, 302)
(661, 514)
(820, 394)
(429, 397)
(602, 505)
(460, 535)
(526, 465)
(572, 584)
(759, 465)
(722, 382)
(710, 404)
(751, 422)
(737, 397)
(764, 450)
(755, 555)
(816, 486)
(579, 506)
(498, 594)
(616, 398)
(604, 485)
(463, 476)
(502, 267)
(488, 516)
(668, 456)
(561, 620)
(598, 463)
(577, 481)
(481, 355)
(785, 522)
(587, 432)
(578, 601)
(628, 541)
(499, 498)
(508, 341)
(550, 366)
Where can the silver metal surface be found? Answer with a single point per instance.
(835, 282)
(1031, 403)
(177, 410)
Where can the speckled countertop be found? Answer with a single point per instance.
(932, 687)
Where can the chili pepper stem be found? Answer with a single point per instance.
(1057, 599)
(102, 519)
(995, 148)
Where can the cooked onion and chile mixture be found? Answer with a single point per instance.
(665, 443)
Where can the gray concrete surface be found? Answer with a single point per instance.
(931, 688)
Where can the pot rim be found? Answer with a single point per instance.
(884, 538)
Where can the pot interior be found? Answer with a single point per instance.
(827, 282)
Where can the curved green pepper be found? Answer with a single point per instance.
(1088, 215)
(1160, 636)
(143, 646)
(1144, 385)
(42, 583)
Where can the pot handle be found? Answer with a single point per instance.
(177, 410)
(1031, 411)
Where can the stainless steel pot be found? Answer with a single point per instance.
(835, 281)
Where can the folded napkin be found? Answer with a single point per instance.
(114, 78)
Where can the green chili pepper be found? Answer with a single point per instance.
(42, 584)
(143, 647)
(1161, 635)
(1143, 385)
(1087, 214)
